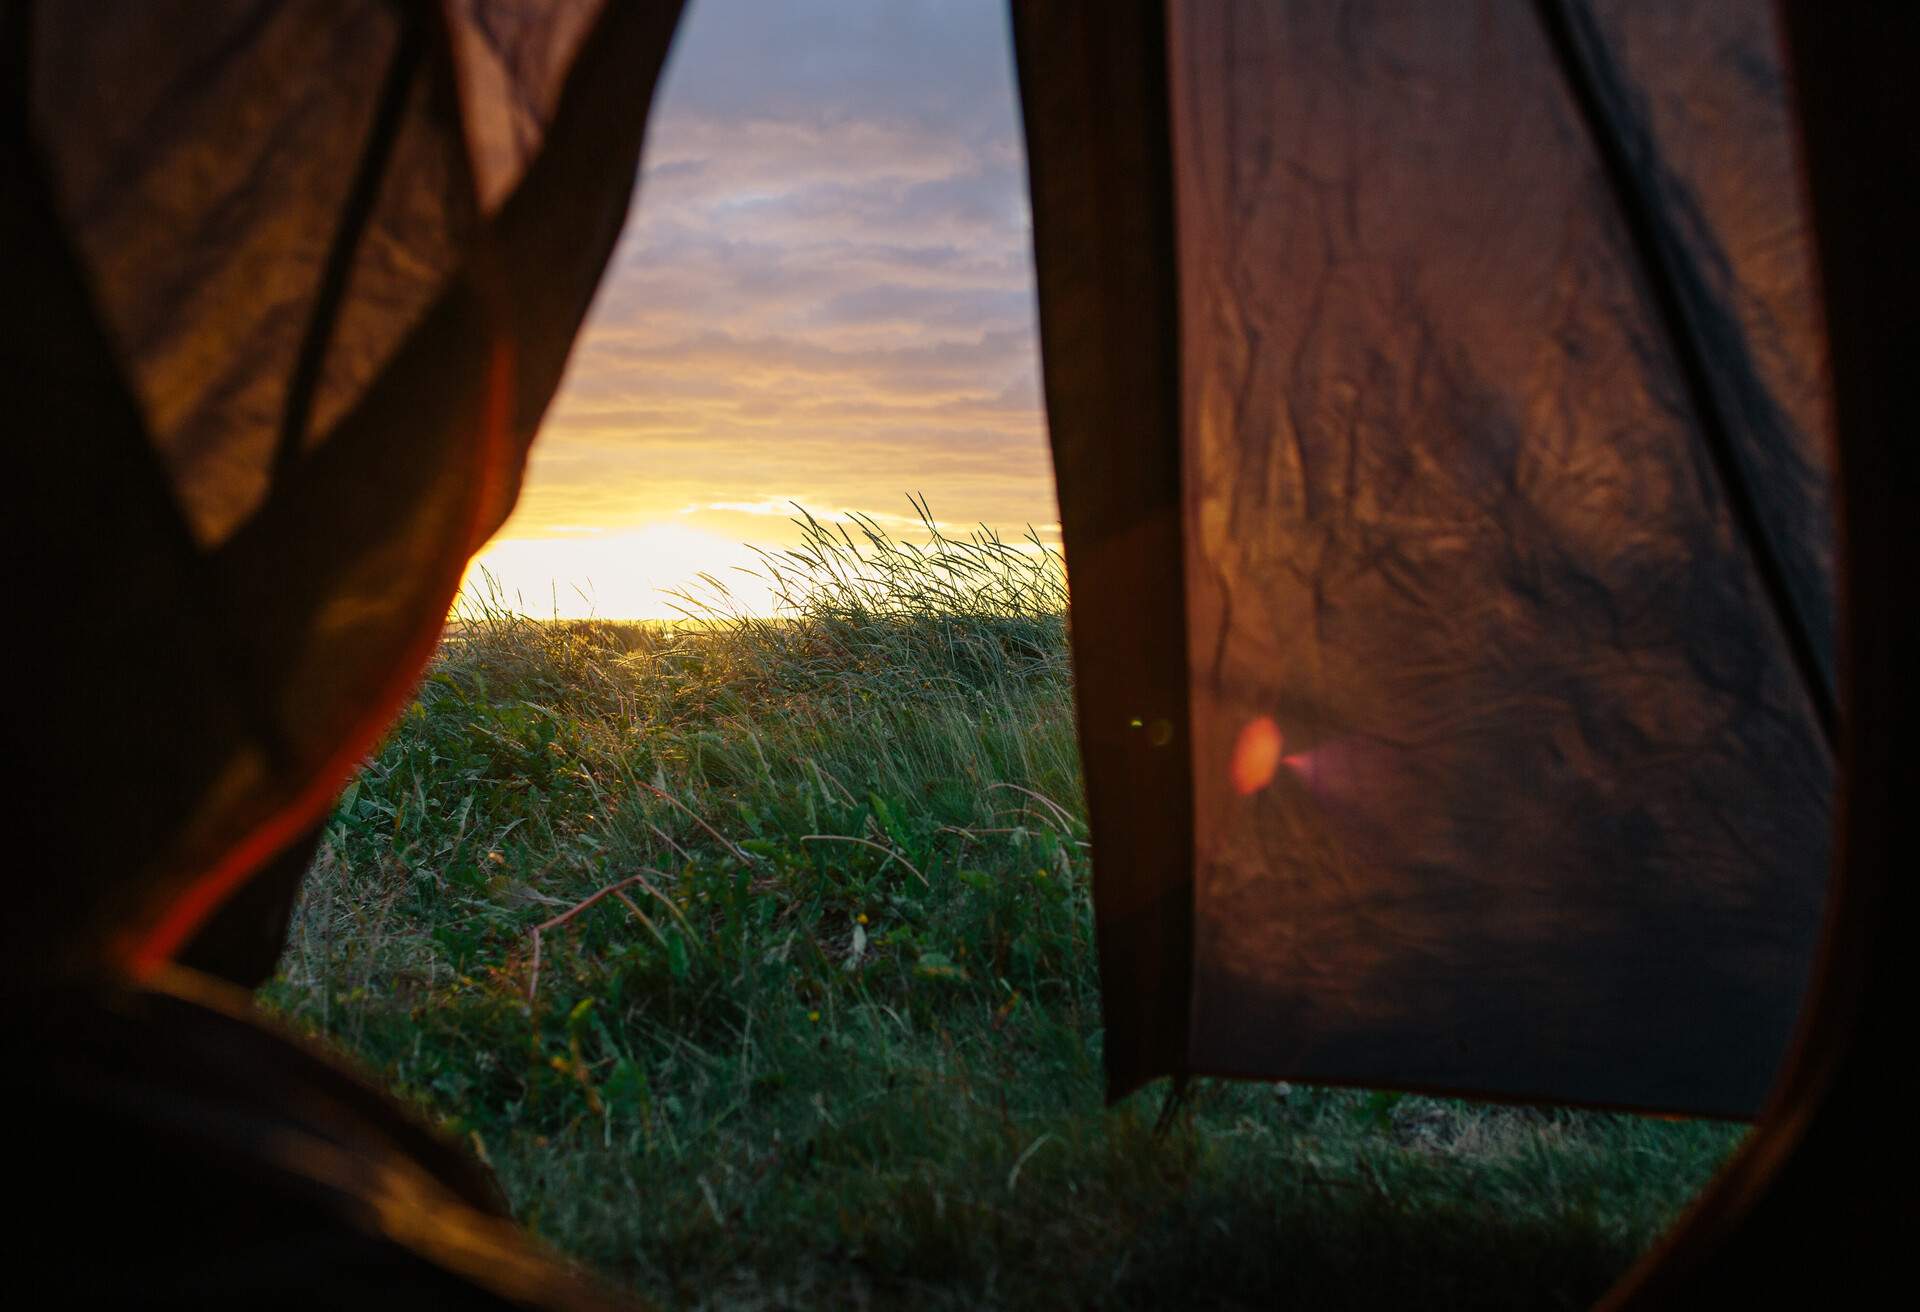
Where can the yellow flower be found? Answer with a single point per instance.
(813, 1016)
(860, 919)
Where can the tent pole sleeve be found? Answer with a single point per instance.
(1722, 392)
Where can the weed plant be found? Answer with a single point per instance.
(755, 956)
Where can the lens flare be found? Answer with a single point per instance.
(1256, 755)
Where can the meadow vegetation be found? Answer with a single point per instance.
(755, 956)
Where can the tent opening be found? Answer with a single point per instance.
(1187, 646)
(822, 306)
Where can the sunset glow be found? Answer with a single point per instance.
(824, 295)
(627, 575)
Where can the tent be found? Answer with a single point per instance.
(1445, 403)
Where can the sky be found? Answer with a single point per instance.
(824, 296)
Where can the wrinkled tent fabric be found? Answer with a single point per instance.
(1504, 778)
(289, 287)
(1815, 1210)
(294, 361)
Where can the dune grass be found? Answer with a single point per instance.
(829, 1035)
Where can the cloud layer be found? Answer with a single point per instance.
(825, 291)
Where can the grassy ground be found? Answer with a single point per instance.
(833, 1036)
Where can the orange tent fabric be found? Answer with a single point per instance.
(298, 304)
(1493, 444)
(289, 287)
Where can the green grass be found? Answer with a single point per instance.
(834, 1038)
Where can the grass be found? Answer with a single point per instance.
(833, 1037)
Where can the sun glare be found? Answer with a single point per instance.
(616, 574)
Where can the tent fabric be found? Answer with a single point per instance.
(511, 61)
(204, 179)
(1814, 1210)
(246, 182)
(220, 1164)
(1093, 91)
(1506, 778)
(295, 366)
(282, 322)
